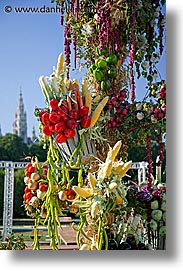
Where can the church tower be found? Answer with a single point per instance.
(20, 122)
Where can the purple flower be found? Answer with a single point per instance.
(144, 196)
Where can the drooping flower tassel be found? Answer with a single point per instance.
(75, 49)
(62, 16)
(132, 54)
(67, 50)
(161, 30)
(77, 9)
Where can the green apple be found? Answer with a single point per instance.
(162, 231)
(154, 204)
(163, 206)
(112, 59)
(98, 74)
(112, 72)
(164, 216)
(156, 214)
(101, 64)
(153, 225)
(105, 85)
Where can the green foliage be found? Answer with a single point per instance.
(13, 242)
(36, 150)
(1, 191)
(12, 148)
(19, 186)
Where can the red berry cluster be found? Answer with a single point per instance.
(162, 92)
(62, 120)
(119, 109)
(159, 112)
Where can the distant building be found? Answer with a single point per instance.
(20, 123)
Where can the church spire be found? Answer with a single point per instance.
(20, 122)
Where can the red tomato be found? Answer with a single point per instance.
(28, 165)
(60, 127)
(72, 124)
(47, 131)
(68, 192)
(63, 110)
(54, 117)
(28, 196)
(85, 121)
(74, 114)
(69, 133)
(54, 103)
(71, 196)
(31, 169)
(83, 111)
(42, 188)
(27, 173)
(52, 128)
(24, 197)
(45, 119)
(60, 138)
(27, 190)
(44, 167)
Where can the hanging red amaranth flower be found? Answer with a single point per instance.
(77, 9)
(62, 16)
(132, 54)
(161, 30)
(67, 50)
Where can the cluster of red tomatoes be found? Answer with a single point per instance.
(33, 181)
(64, 119)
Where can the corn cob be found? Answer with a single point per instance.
(119, 200)
(122, 173)
(107, 168)
(118, 166)
(128, 165)
(114, 151)
(67, 83)
(54, 83)
(60, 64)
(84, 87)
(92, 180)
(94, 210)
(82, 192)
(88, 100)
(125, 168)
(98, 110)
(96, 99)
(113, 185)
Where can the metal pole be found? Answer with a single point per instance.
(8, 199)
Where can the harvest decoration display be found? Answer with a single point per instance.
(88, 128)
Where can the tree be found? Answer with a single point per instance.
(36, 149)
(12, 148)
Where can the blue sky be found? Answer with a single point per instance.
(30, 45)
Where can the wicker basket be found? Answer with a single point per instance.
(67, 148)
